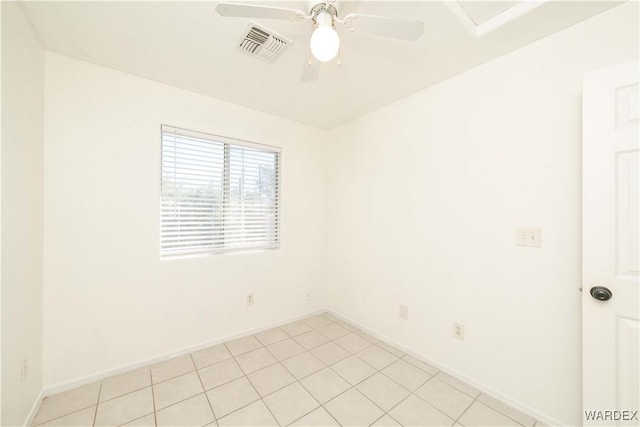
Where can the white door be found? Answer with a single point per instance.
(610, 256)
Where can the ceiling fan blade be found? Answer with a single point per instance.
(384, 27)
(310, 70)
(250, 11)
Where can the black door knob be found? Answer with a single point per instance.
(601, 293)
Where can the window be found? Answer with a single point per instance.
(218, 194)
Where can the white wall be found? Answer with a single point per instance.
(22, 213)
(0, 214)
(424, 199)
(109, 300)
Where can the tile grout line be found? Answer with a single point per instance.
(138, 389)
(376, 371)
(63, 415)
(329, 366)
(506, 415)
(274, 342)
(241, 407)
(380, 372)
(402, 400)
(95, 414)
(255, 389)
(386, 414)
(206, 396)
(299, 381)
(153, 400)
(476, 398)
(351, 386)
(457, 389)
(326, 366)
(499, 411)
(465, 411)
(204, 389)
(249, 380)
(275, 391)
(234, 358)
(131, 391)
(296, 381)
(304, 388)
(231, 357)
(413, 393)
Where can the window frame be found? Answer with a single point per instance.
(227, 142)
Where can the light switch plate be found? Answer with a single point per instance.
(531, 237)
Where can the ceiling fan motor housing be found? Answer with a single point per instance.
(324, 14)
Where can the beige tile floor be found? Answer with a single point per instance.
(319, 371)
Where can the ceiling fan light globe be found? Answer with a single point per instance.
(325, 43)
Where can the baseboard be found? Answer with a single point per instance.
(59, 388)
(446, 369)
(34, 409)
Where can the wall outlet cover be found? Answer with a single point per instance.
(458, 330)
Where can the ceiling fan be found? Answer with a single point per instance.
(325, 42)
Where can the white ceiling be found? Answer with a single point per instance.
(186, 44)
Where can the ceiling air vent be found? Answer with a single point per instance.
(263, 43)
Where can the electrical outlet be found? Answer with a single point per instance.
(24, 369)
(403, 312)
(249, 299)
(458, 330)
(307, 295)
(529, 237)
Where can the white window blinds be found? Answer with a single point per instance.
(218, 194)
